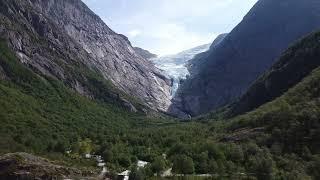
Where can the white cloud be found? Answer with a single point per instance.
(173, 38)
(166, 36)
(170, 26)
(134, 33)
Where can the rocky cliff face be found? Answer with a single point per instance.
(64, 39)
(2, 74)
(251, 48)
(25, 166)
(144, 53)
(195, 64)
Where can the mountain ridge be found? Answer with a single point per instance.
(144, 53)
(196, 62)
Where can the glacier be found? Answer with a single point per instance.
(175, 65)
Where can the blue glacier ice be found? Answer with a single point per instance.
(175, 65)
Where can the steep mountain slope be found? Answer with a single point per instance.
(37, 112)
(288, 99)
(295, 64)
(175, 66)
(65, 40)
(288, 126)
(196, 62)
(144, 53)
(289, 123)
(250, 49)
(291, 120)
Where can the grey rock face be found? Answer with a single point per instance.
(25, 166)
(2, 74)
(128, 105)
(250, 49)
(144, 53)
(53, 36)
(195, 64)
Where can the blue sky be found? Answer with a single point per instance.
(170, 26)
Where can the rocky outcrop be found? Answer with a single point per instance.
(2, 74)
(25, 166)
(67, 41)
(144, 53)
(250, 49)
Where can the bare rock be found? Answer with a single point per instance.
(54, 37)
(2, 74)
(144, 53)
(128, 105)
(25, 166)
